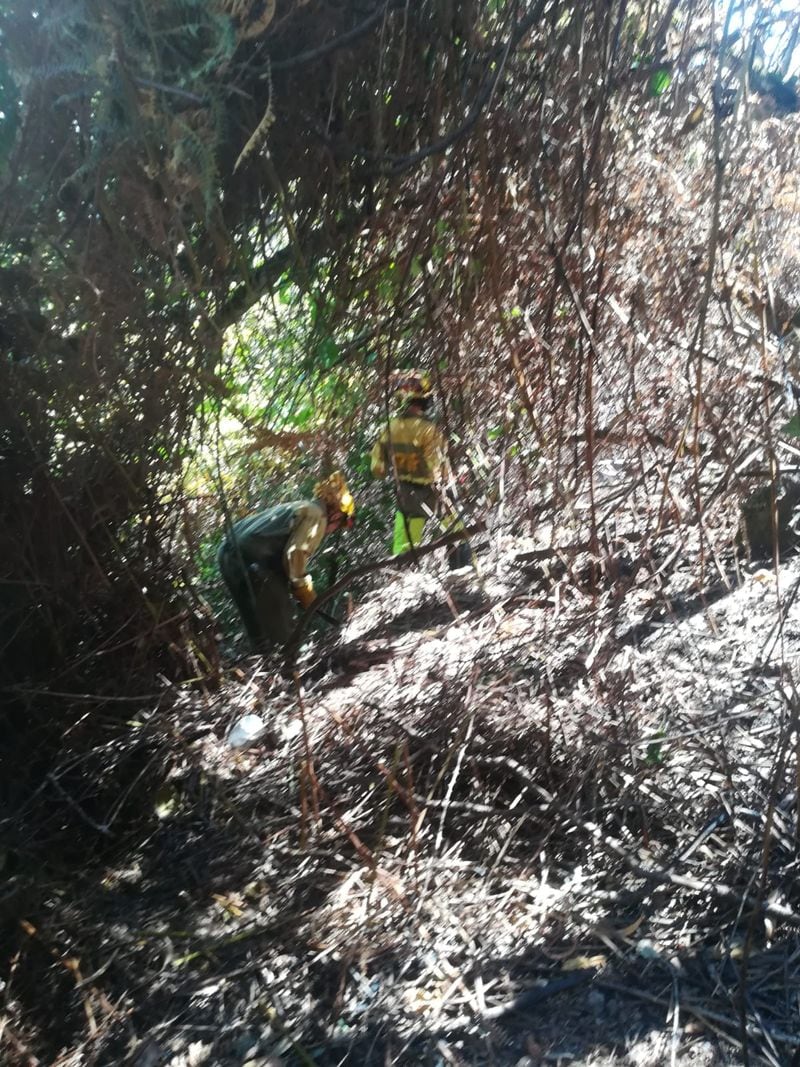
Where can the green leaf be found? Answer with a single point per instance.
(660, 82)
(301, 418)
(327, 353)
(655, 752)
(165, 802)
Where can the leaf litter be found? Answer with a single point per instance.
(504, 818)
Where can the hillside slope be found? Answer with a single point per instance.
(493, 817)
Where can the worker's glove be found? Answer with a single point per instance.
(304, 594)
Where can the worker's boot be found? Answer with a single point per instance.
(460, 556)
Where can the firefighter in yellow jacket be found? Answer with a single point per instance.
(263, 558)
(412, 448)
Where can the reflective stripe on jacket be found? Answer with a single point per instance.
(413, 446)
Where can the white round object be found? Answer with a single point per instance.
(246, 731)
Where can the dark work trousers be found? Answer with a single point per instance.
(417, 502)
(261, 594)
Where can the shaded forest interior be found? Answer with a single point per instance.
(545, 809)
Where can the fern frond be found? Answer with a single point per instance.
(79, 66)
(225, 38)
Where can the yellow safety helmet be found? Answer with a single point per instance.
(411, 385)
(333, 493)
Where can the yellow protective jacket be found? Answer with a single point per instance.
(415, 447)
(290, 533)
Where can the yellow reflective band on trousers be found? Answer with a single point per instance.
(451, 522)
(407, 532)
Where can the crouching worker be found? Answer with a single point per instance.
(263, 558)
(413, 448)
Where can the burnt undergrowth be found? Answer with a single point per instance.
(433, 849)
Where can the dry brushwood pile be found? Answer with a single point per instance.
(542, 811)
(475, 829)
